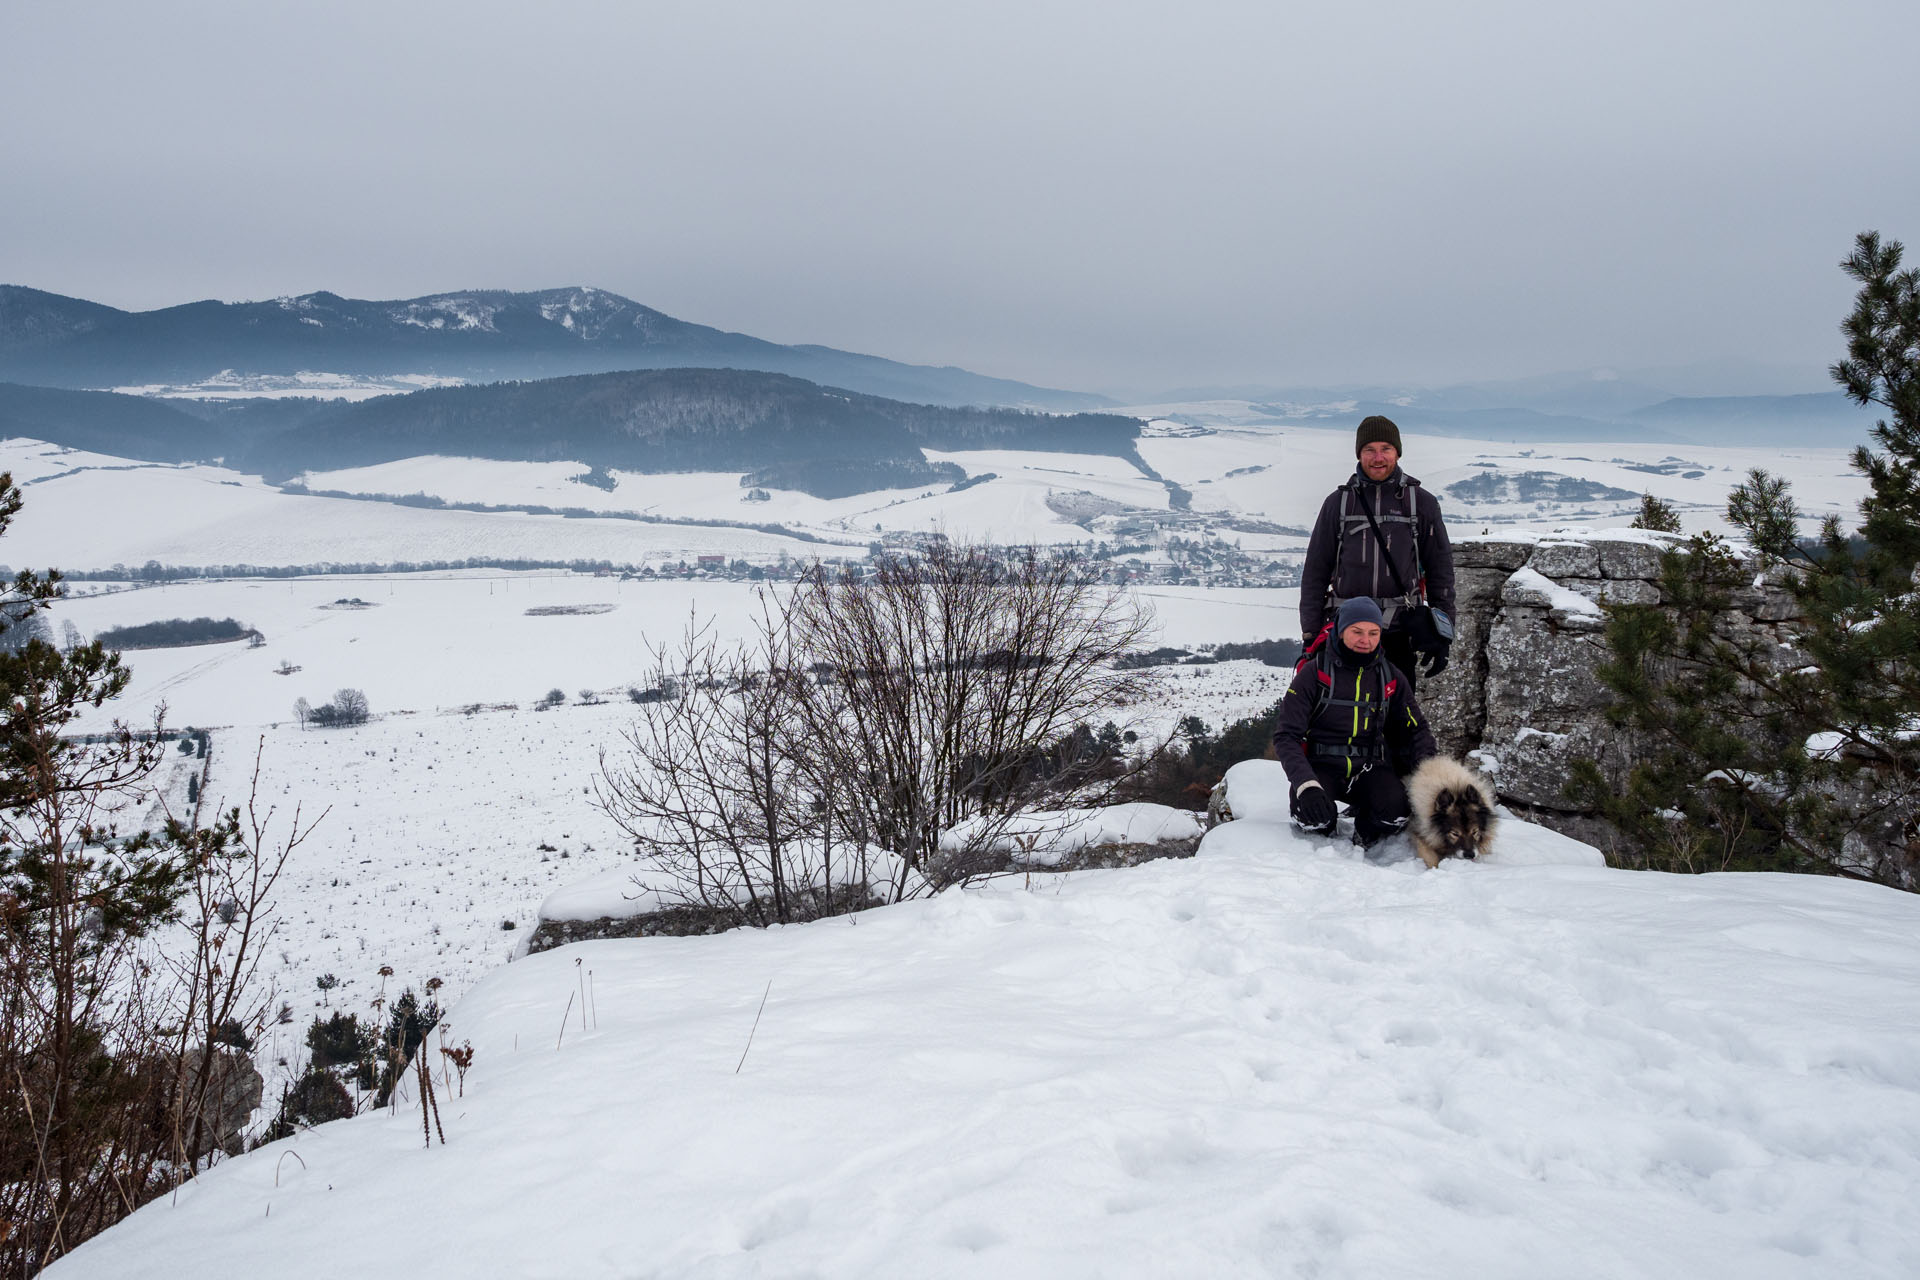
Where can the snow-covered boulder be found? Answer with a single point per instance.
(625, 902)
(1058, 837)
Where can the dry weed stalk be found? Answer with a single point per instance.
(462, 1058)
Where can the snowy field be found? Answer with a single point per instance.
(90, 511)
(1274, 1059)
(229, 385)
(434, 813)
(426, 643)
(1304, 464)
(1271, 474)
(429, 841)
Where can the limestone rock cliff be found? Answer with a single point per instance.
(1520, 699)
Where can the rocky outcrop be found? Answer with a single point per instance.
(231, 1098)
(1521, 699)
(691, 920)
(672, 922)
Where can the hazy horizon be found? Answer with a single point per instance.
(1098, 197)
(1699, 378)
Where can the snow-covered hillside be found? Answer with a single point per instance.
(229, 385)
(90, 511)
(1273, 1059)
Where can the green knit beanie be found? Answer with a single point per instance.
(1376, 429)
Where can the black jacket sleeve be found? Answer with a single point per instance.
(1290, 730)
(1436, 555)
(1316, 573)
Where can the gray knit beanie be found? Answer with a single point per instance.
(1376, 429)
(1358, 609)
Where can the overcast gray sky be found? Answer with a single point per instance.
(1111, 196)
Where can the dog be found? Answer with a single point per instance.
(1452, 811)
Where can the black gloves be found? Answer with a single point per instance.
(1434, 661)
(1313, 809)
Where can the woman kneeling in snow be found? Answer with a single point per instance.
(1348, 728)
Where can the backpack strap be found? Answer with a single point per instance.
(1349, 751)
(1339, 547)
(1386, 555)
(1323, 689)
(1410, 487)
(1351, 492)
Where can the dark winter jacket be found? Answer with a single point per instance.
(1343, 557)
(1344, 711)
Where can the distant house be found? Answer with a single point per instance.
(710, 562)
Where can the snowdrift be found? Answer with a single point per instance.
(1275, 1058)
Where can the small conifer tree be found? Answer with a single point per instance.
(1806, 758)
(1657, 514)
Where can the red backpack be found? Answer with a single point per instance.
(1318, 653)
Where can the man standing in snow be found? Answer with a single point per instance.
(1345, 722)
(1380, 537)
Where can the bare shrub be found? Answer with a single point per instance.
(349, 707)
(712, 788)
(876, 737)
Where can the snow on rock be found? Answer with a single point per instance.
(1529, 586)
(639, 888)
(1258, 789)
(1270, 1060)
(1048, 837)
(610, 895)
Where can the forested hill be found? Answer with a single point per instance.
(486, 335)
(101, 422)
(788, 432)
(668, 420)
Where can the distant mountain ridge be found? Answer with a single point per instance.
(484, 335)
(1655, 405)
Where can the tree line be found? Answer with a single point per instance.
(174, 633)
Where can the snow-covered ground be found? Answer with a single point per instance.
(1274, 1059)
(437, 808)
(435, 816)
(434, 833)
(1303, 464)
(90, 511)
(416, 643)
(1012, 508)
(228, 385)
(427, 642)
(1270, 474)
